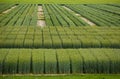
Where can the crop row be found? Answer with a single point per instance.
(115, 5)
(100, 14)
(107, 8)
(60, 15)
(59, 37)
(52, 61)
(22, 15)
(4, 7)
(56, 15)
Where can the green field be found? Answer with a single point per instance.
(59, 39)
(84, 76)
(61, 1)
(59, 61)
(67, 15)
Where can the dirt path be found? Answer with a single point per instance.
(83, 18)
(8, 10)
(41, 19)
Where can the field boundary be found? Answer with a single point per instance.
(62, 1)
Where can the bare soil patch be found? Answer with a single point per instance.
(41, 23)
(41, 19)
